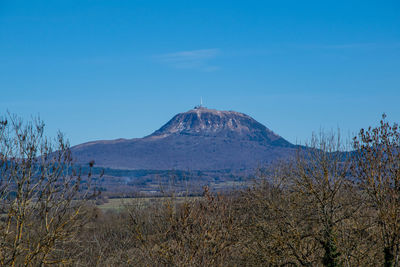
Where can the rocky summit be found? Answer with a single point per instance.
(199, 139)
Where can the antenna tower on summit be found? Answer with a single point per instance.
(201, 104)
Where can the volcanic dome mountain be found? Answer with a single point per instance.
(199, 139)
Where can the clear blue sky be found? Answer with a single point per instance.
(110, 69)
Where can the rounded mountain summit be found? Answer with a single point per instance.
(199, 139)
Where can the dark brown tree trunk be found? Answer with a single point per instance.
(389, 256)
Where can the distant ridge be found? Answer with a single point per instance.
(199, 139)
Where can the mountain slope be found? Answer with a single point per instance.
(199, 139)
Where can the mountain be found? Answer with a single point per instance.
(199, 139)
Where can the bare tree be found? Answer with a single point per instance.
(42, 197)
(377, 167)
(320, 178)
(307, 206)
(275, 232)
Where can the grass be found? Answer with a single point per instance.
(118, 204)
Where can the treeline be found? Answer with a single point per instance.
(324, 207)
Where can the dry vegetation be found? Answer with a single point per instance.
(322, 208)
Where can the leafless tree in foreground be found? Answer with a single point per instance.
(377, 166)
(309, 212)
(42, 198)
(319, 178)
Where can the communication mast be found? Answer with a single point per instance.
(201, 104)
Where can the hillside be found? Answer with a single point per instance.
(199, 139)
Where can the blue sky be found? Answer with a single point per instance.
(111, 69)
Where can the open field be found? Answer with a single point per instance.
(155, 183)
(118, 204)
